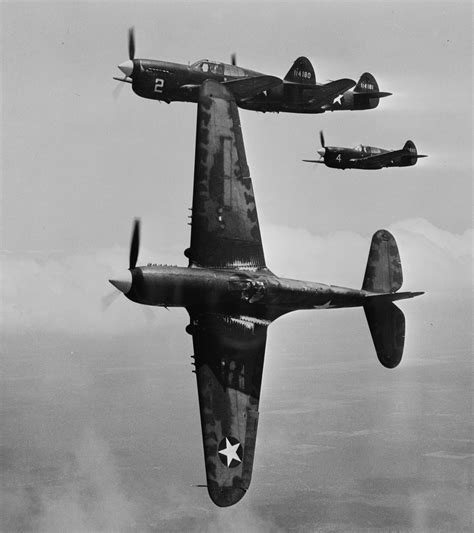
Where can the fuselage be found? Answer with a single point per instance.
(340, 157)
(169, 82)
(260, 293)
(360, 157)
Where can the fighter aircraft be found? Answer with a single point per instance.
(366, 157)
(298, 92)
(232, 297)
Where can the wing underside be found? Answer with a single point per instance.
(229, 353)
(224, 230)
(245, 88)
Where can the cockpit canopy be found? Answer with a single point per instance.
(368, 149)
(231, 71)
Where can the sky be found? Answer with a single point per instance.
(80, 159)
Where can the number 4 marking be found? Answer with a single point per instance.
(338, 158)
(159, 84)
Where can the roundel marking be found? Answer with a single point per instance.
(230, 452)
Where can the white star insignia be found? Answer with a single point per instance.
(230, 452)
(338, 99)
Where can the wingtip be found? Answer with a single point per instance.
(225, 496)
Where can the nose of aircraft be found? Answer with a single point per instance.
(322, 151)
(123, 282)
(126, 67)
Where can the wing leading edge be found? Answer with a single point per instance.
(224, 231)
(229, 353)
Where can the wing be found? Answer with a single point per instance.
(224, 227)
(245, 88)
(229, 353)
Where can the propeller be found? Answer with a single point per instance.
(135, 244)
(321, 138)
(109, 299)
(127, 66)
(131, 43)
(124, 282)
(233, 59)
(118, 89)
(322, 150)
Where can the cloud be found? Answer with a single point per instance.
(87, 497)
(432, 259)
(65, 292)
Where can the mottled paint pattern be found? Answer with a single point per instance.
(231, 296)
(384, 270)
(229, 365)
(224, 229)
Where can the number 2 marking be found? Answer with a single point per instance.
(159, 84)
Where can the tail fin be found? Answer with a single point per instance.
(367, 93)
(383, 273)
(383, 277)
(410, 146)
(366, 84)
(413, 156)
(302, 71)
(387, 327)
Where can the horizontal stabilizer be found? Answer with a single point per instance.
(373, 94)
(245, 88)
(387, 327)
(313, 161)
(393, 296)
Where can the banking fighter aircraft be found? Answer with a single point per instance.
(232, 297)
(298, 92)
(366, 157)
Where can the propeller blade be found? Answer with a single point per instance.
(233, 59)
(118, 89)
(109, 299)
(321, 138)
(135, 244)
(131, 43)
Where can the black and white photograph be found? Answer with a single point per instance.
(236, 266)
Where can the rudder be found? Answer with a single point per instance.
(367, 93)
(410, 146)
(383, 273)
(367, 84)
(302, 71)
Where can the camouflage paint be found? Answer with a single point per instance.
(232, 297)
